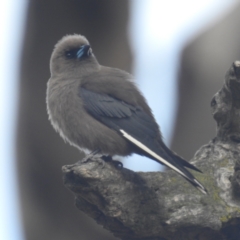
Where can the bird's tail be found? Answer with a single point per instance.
(169, 159)
(181, 163)
(184, 172)
(178, 165)
(178, 159)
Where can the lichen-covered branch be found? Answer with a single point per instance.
(163, 205)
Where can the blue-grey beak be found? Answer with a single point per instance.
(84, 51)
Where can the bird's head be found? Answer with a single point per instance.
(72, 54)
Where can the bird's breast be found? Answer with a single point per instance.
(70, 119)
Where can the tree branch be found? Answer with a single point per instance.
(163, 205)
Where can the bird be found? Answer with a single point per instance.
(99, 108)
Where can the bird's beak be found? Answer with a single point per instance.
(84, 51)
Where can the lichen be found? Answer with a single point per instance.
(225, 218)
(224, 163)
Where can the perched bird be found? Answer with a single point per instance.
(100, 108)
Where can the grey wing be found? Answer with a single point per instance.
(118, 115)
(137, 127)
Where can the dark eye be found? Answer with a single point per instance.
(71, 53)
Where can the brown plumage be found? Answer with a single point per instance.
(100, 108)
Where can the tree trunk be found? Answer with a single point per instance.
(162, 205)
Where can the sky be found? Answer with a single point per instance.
(12, 18)
(158, 30)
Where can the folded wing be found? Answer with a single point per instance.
(138, 128)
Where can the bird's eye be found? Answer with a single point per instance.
(71, 53)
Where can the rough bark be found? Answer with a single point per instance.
(163, 205)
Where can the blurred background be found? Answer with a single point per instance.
(178, 51)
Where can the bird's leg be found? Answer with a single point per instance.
(108, 158)
(93, 153)
(93, 157)
(89, 156)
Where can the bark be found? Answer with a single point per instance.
(162, 205)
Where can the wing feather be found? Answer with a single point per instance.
(137, 127)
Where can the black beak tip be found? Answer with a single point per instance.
(89, 52)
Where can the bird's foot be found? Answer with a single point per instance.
(89, 156)
(108, 158)
(105, 158)
(95, 157)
